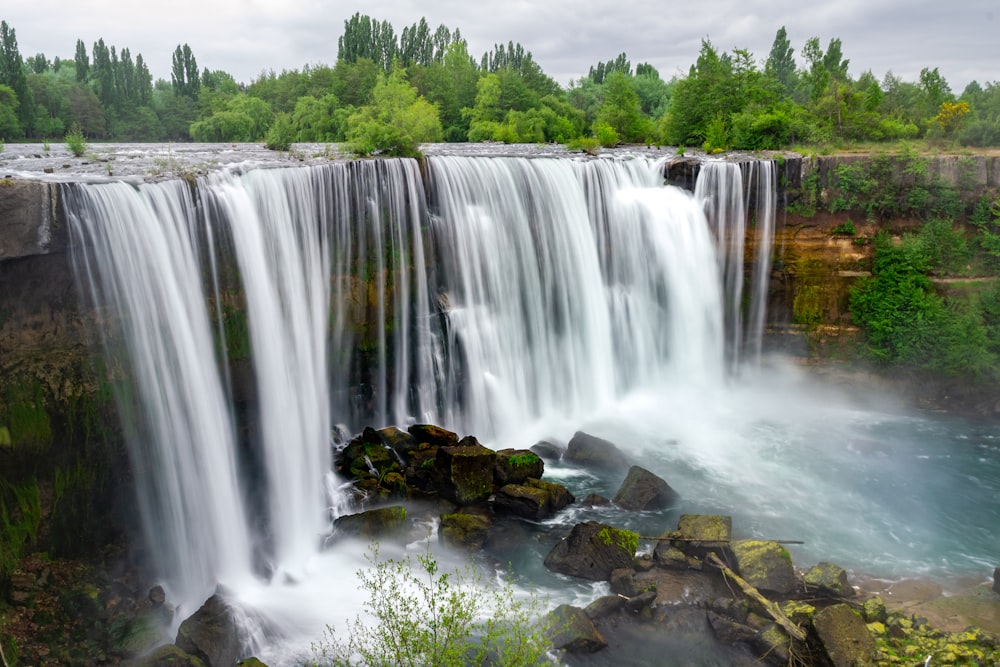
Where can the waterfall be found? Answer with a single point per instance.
(725, 188)
(482, 294)
(136, 254)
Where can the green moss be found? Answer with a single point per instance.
(523, 460)
(625, 539)
(26, 419)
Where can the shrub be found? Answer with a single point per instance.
(421, 616)
(76, 143)
(281, 134)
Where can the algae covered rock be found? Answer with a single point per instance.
(593, 551)
(844, 637)
(464, 531)
(515, 466)
(643, 490)
(765, 565)
(828, 579)
(524, 501)
(433, 435)
(467, 470)
(372, 524)
(699, 534)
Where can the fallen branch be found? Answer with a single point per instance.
(3, 658)
(702, 539)
(770, 607)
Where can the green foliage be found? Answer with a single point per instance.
(398, 121)
(605, 135)
(907, 324)
(76, 143)
(845, 229)
(281, 134)
(20, 518)
(422, 616)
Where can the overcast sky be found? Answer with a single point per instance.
(245, 37)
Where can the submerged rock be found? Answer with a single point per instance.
(644, 491)
(549, 451)
(593, 551)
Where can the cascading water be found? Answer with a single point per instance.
(503, 297)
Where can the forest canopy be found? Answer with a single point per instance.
(796, 95)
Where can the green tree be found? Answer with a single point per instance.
(397, 122)
(13, 74)
(81, 62)
(318, 120)
(10, 126)
(370, 39)
(184, 72)
(621, 109)
(780, 64)
(707, 96)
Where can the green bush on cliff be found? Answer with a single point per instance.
(419, 615)
(907, 324)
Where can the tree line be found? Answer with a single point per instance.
(389, 92)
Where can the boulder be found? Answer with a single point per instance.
(595, 453)
(623, 582)
(467, 471)
(668, 556)
(168, 655)
(873, 610)
(463, 531)
(773, 645)
(595, 500)
(643, 490)
(571, 630)
(765, 565)
(729, 630)
(250, 662)
(699, 534)
(604, 606)
(400, 441)
(211, 634)
(549, 451)
(844, 636)
(373, 524)
(524, 501)
(828, 579)
(433, 435)
(593, 551)
(514, 466)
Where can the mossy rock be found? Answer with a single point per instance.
(844, 637)
(515, 466)
(523, 501)
(467, 471)
(433, 435)
(573, 631)
(765, 565)
(593, 551)
(464, 531)
(828, 579)
(699, 534)
(168, 655)
(373, 524)
(873, 610)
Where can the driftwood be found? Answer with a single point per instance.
(702, 539)
(770, 607)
